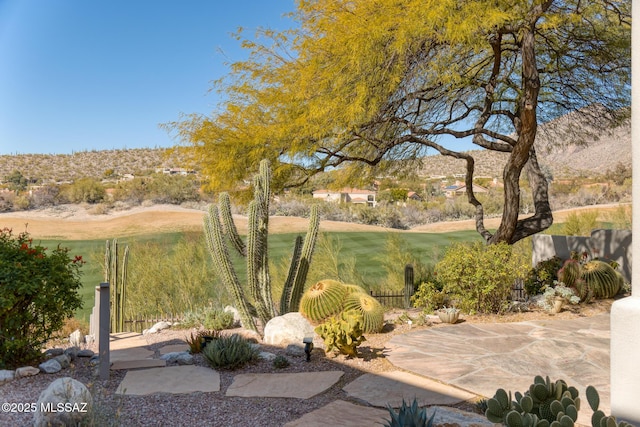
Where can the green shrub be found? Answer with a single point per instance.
(478, 277)
(230, 352)
(430, 297)
(581, 224)
(342, 333)
(280, 362)
(217, 319)
(542, 275)
(85, 190)
(38, 291)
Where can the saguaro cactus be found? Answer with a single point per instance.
(219, 222)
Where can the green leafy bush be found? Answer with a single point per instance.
(542, 275)
(230, 352)
(430, 297)
(342, 333)
(38, 291)
(478, 277)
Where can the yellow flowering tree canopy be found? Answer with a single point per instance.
(358, 83)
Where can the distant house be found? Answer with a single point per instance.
(460, 189)
(347, 195)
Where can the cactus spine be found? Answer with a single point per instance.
(219, 223)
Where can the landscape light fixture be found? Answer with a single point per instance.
(308, 346)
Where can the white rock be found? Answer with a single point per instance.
(6, 376)
(290, 328)
(27, 371)
(76, 338)
(70, 401)
(184, 359)
(157, 328)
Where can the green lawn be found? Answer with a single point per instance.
(366, 247)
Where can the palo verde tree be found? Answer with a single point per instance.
(364, 82)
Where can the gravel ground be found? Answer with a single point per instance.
(215, 409)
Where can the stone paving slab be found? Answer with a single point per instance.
(172, 379)
(134, 353)
(171, 348)
(391, 388)
(509, 355)
(137, 364)
(302, 385)
(341, 413)
(124, 340)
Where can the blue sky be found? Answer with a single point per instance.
(103, 74)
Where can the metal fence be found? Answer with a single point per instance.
(141, 323)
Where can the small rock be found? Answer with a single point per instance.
(76, 338)
(94, 361)
(27, 371)
(64, 360)
(72, 352)
(51, 366)
(86, 353)
(265, 355)
(52, 352)
(295, 350)
(70, 393)
(170, 357)
(6, 376)
(184, 359)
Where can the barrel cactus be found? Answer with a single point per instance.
(570, 272)
(351, 289)
(601, 278)
(322, 300)
(372, 311)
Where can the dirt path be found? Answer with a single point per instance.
(74, 222)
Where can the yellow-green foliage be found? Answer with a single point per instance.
(581, 224)
(478, 277)
(322, 300)
(342, 333)
(371, 310)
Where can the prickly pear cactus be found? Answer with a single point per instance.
(342, 333)
(322, 300)
(372, 311)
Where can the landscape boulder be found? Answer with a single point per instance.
(157, 328)
(6, 376)
(68, 401)
(290, 328)
(236, 314)
(51, 366)
(27, 371)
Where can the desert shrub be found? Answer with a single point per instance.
(217, 319)
(280, 362)
(85, 190)
(430, 297)
(6, 202)
(230, 352)
(38, 291)
(329, 262)
(581, 224)
(47, 195)
(134, 191)
(171, 278)
(173, 189)
(478, 277)
(542, 275)
(620, 217)
(21, 202)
